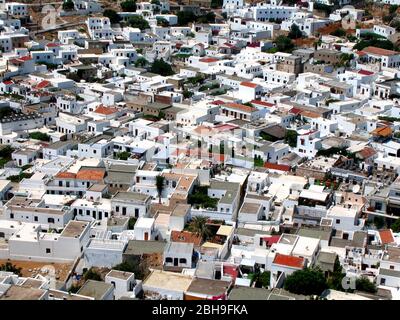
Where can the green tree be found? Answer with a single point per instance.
(306, 282)
(159, 66)
(124, 155)
(363, 284)
(379, 222)
(9, 267)
(131, 223)
(162, 22)
(216, 4)
(39, 136)
(284, 44)
(68, 5)
(209, 17)
(264, 279)
(198, 225)
(138, 22)
(187, 94)
(185, 17)
(396, 226)
(128, 6)
(295, 32)
(291, 138)
(112, 15)
(160, 184)
(92, 274)
(200, 197)
(339, 32)
(141, 62)
(335, 278)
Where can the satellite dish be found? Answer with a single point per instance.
(356, 188)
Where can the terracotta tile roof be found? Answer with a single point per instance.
(271, 240)
(186, 236)
(366, 152)
(379, 51)
(230, 270)
(217, 102)
(90, 174)
(65, 175)
(240, 107)
(53, 45)
(289, 261)
(310, 114)
(274, 166)
(295, 110)
(208, 60)
(249, 84)
(382, 131)
(42, 84)
(386, 236)
(225, 127)
(106, 110)
(365, 72)
(262, 103)
(26, 58)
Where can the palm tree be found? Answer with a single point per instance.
(198, 225)
(160, 180)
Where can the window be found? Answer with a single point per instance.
(337, 221)
(391, 267)
(168, 260)
(50, 220)
(117, 208)
(48, 250)
(35, 218)
(182, 260)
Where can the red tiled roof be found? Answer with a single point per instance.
(42, 84)
(271, 240)
(249, 84)
(240, 107)
(289, 261)
(274, 166)
(106, 110)
(295, 110)
(26, 58)
(361, 53)
(53, 45)
(379, 51)
(262, 103)
(217, 102)
(366, 152)
(186, 237)
(386, 236)
(230, 270)
(225, 127)
(254, 45)
(7, 82)
(208, 60)
(90, 174)
(365, 72)
(65, 175)
(382, 131)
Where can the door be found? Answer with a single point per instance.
(146, 236)
(175, 262)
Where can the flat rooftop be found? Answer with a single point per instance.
(209, 287)
(15, 292)
(166, 280)
(95, 289)
(74, 229)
